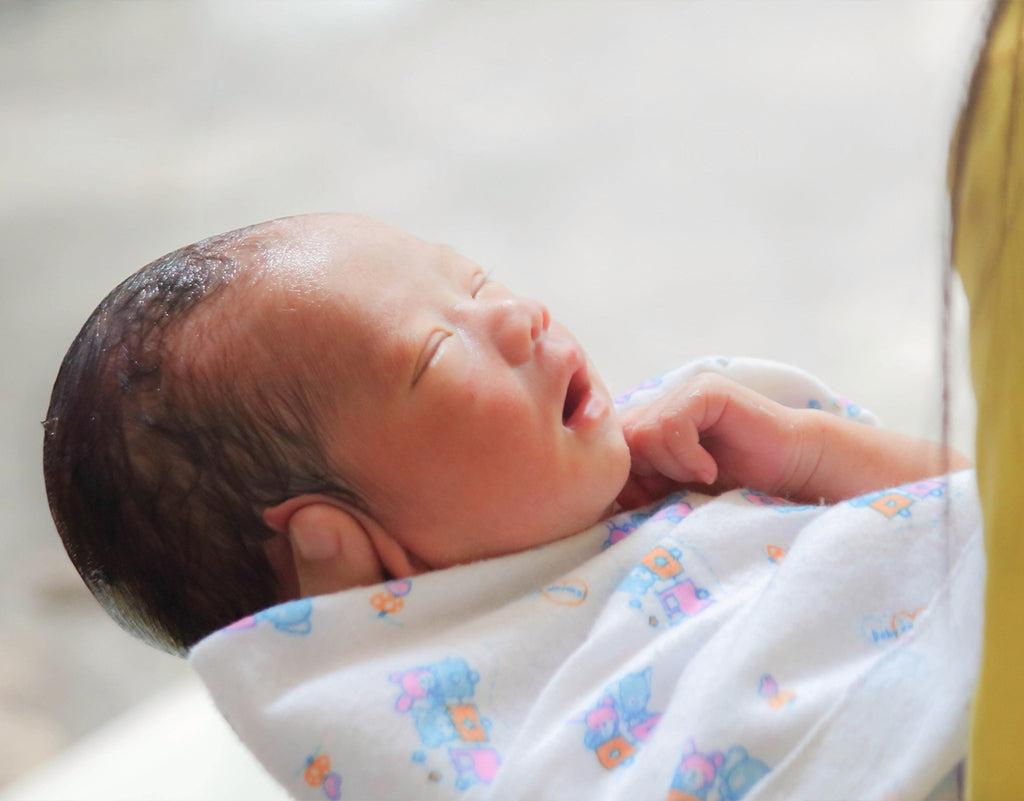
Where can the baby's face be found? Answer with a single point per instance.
(472, 424)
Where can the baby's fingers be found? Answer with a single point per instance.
(668, 445)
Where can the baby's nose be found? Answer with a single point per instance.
(519, 323)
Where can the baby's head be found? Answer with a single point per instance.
(312, 404)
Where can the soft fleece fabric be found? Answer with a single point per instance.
(705, 648)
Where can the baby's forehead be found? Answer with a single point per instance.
(334, 271)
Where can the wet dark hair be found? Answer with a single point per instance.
(159, 462)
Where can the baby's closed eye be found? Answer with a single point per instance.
(480, 280)
(430, 352)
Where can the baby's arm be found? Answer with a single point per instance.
(712, 431)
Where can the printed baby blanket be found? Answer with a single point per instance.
(705, 648)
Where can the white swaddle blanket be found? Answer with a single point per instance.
(705, 648)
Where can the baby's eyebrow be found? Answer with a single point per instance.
(450, 254)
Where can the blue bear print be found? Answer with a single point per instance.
(433, 725)
(728, 776)
(439, 699)
(634, 692)
(454, 679)
(293, 617)
(621, 721)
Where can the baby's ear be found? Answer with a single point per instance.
(332, 550)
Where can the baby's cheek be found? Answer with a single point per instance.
(617, 461)
(603, 474)
(621, 454)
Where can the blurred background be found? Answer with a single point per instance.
(672, 178)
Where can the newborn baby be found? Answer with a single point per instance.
(323, 402)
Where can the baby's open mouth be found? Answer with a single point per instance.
(579, 387)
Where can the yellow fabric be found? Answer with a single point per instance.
(987, 188)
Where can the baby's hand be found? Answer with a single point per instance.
(713, 434)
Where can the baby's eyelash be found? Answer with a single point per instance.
(480, 281)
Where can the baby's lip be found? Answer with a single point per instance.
(575, 394)
(581, 403)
